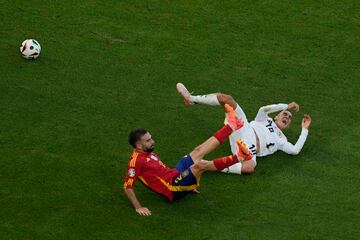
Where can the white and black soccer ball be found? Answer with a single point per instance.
(30, 49)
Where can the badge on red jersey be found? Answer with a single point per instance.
(154, 157)
(131, 172)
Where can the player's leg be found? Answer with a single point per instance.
(209, 99)
(190, 172)
(246, 133)
(210, 144)
(227, 99)
(234, 123)
(213, 99)
(248, 167)
(186, 181)
(243, 155)
(245, 167)
(189, 176)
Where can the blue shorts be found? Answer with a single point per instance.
(185, 180)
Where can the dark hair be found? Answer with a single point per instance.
(135, 136)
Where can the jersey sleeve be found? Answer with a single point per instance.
(132, 171)
(295, 149)
(263, 112)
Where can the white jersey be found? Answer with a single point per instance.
(271, 138)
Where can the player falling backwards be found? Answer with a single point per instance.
(263, 136)
(175, 183)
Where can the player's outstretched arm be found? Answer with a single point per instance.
(295, 149)
(263, 112)
(143, 211)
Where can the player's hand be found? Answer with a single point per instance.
(293, 106)
(306, 121)
(143, 211)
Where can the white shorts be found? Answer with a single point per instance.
(246, 134)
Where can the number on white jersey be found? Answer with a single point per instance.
(269, 126)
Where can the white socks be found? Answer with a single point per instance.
(209, 99)
(235, 169)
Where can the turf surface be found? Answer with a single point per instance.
(107, 67)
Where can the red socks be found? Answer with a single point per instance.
(223, 133)
(224, 162)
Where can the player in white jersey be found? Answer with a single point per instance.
(263, 136)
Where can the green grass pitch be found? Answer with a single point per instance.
(107, 67)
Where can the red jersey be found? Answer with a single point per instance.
(148, 168)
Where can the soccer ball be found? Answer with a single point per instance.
(30, 49)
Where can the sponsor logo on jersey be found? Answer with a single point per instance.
(131, 172)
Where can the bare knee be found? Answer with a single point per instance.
(198, 168)
(226, 99)
(200, 165)
(248, 167)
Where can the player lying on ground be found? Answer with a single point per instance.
(175, 183)
(263, 136)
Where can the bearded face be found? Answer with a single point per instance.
(146, 143)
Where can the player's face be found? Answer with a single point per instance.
(146, 143)
(283, 119)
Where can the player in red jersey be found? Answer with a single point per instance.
(175, 183)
